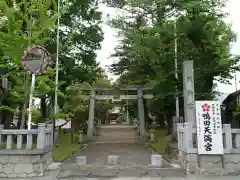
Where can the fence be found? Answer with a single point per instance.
(25, 153)
(192, 162)
(187, 138)
(22, 141)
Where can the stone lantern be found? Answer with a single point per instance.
(152, 131)
(81, 137)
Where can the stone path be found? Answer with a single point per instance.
(160, 178)
(134, 161)
(130, 155)
(52, 176)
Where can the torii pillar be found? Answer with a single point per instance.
(91, 114)
(141, 115)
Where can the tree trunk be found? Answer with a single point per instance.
(8, 117)
(169, 122)
(161, 120)
(148, 121)
(43, 109)
(24, 107)
(23, 120)
(1, 117)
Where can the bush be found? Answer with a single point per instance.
(36, 116)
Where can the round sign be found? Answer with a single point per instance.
(35, 59)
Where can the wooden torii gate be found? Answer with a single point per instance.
(139, 96)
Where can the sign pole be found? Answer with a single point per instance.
(35, 61)
(31, 101)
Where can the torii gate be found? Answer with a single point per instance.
(139, 97)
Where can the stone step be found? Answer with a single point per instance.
(109, 138)
(118, 134)
(115, 138)
(88, 171)
(120, 141)
(117, 126)
(112, 129)
(127, 130)
(117, 131)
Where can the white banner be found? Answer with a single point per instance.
(209, 127)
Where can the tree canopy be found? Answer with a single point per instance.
(29, 22)
(149, 31)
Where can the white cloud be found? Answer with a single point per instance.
(110, 41)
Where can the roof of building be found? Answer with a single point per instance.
(221, 97)
(231, 95)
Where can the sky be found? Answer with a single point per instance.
(111, 41)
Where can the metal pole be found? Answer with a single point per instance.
(57, 64)
(32, 82)
(31, 101)
(176, 66)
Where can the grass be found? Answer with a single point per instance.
(162, 141)
(65, 148)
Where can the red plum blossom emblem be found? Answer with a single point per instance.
(205, 107)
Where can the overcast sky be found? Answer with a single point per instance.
(110, 39)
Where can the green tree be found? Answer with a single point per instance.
(22, 23)
(79, 40)
(27, 22)
(147, 53)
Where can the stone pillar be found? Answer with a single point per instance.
(91, 114)
(141, 113)
(188, 138)
(228, 136)
(175, 121)
(188, 93)
(50, 126)
(41, 137)
(174, 125)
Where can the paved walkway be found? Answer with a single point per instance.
(166, 178)
(130, 155)
(134, 161)
(52, 176)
